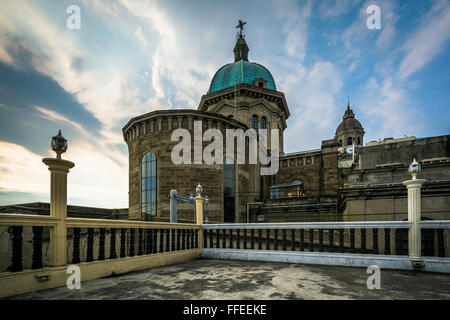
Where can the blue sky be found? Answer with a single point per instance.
(132, 57)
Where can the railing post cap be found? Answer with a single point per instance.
(58, 164)
(414, 183)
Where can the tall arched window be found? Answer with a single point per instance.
(255, 122)
(263, 123)
(148, 185)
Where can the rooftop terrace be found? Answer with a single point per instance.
(211, 279)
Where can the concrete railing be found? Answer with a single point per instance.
(384, 243)
(313, 225)
(138, 245)
(350, 237)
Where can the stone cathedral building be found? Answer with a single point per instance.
(342, 180)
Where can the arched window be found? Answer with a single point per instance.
(148, 185)
(255, 122)
(349, 141)
(263, 123)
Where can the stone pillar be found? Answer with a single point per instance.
(414, 216)
(58, 208)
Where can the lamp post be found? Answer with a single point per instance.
(58, 199)
(414, 215)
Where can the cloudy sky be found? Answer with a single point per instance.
(132, 57)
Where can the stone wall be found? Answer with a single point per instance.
(318, 169)
(378, 193)
(404, 152)
(152, 133)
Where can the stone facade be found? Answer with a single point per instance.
(152, 132)
(243, 101)
(373, 190)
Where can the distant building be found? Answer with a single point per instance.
(343, 180)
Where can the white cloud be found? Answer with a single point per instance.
(139, 34)
(21, 170)
(314, 111)
(310, 90)
(357, 38)
(107, 87)
(178, 67)
(95, 180)
(295, 26)
(56, 117)
(388, 110)
(428, 41)
(332, 8)
(176, 57)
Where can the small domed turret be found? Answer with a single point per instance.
(350, 130)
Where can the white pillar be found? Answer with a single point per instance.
(58, 208)
(414, 216)
(199, 200)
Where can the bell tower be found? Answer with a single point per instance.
(350, 131)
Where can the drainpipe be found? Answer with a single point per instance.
(249, 203)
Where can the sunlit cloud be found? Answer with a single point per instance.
(21, 170)
(54, 116)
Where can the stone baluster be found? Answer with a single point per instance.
(37, 248)
(101, 246)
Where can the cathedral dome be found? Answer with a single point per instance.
(348, 122)
(240, 71)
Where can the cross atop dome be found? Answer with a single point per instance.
(241, 49)
(241, 28)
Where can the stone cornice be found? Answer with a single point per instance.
(301, 154)
(382, 190)
(182, 113)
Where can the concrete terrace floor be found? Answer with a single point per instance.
(229, 279)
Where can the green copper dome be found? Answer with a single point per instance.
(239, 72)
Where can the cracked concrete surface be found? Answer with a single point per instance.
(203, 279)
